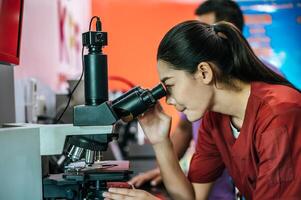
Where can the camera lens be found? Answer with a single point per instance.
(98, 37)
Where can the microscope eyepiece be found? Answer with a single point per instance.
(136, 102)
(158, 92)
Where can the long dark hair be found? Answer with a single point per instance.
(192, 42)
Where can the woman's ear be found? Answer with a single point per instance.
(204, 73)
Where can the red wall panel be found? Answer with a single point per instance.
(10, 30)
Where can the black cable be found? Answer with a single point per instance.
(70, 95)
(81, 76)
(91, 21)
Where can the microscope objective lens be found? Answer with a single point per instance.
(77, 153)
(98, 156)
(89, 157)
(71, 151)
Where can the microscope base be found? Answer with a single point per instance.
(88, 183)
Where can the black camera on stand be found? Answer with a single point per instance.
(95, 38)
(95, 66)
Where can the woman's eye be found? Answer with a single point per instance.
(168, 88)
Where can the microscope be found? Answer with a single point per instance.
(98, 111)
(86, 175)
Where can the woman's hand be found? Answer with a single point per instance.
(128, 194)
(155, 124)
(153, 176)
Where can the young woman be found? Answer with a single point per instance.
(251, 117)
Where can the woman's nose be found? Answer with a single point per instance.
(170, 100)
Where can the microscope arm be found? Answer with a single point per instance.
(52, 137)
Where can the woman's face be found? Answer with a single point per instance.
(186, 92)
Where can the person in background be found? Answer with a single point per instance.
(250, 117)
(208, 12)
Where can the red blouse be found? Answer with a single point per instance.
(265, 160)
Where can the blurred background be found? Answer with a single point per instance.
(40, 47)
(40, 54)
(44, 40)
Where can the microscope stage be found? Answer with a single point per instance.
(81, 181)
(102, 171)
